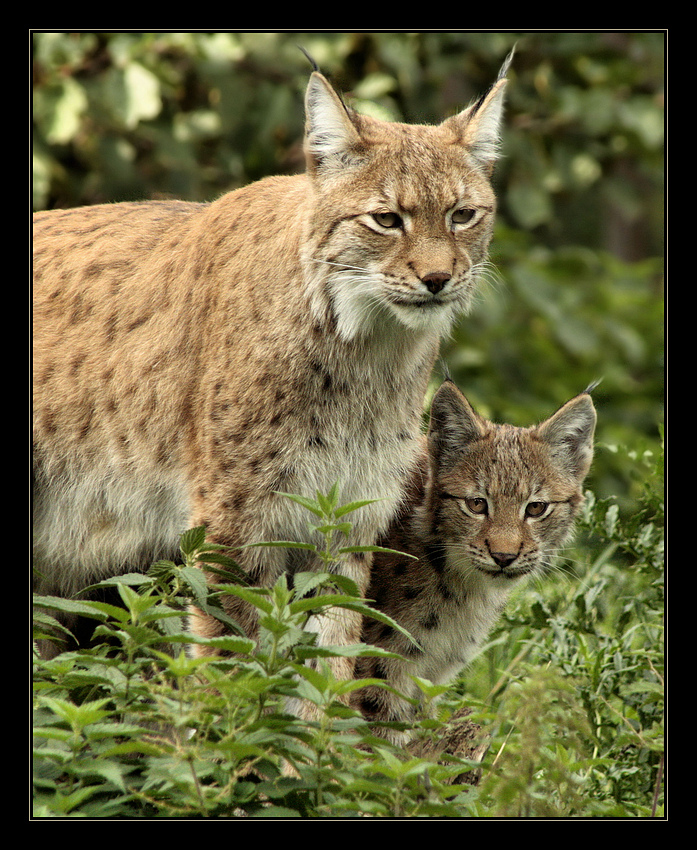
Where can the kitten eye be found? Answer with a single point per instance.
(463, 216)
(387, 219)
(536, 509)
(477, 506)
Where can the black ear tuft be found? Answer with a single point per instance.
(315, 66)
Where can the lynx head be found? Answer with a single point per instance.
(503, 499)
(403, 213)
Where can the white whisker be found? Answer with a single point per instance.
(340, 265)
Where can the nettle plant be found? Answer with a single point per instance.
(134, 727)
(569, 690)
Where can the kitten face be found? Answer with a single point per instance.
(505, 533)
(505, 498)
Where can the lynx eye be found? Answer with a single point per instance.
(387, 219)
(477, 506)
(463, 216)
(536, 509)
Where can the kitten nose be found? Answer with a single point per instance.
(504, 559)
(435, 281)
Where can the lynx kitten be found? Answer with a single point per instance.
(192, 360)
(490, 506)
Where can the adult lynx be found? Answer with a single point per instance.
(490, 505)
(191, 360)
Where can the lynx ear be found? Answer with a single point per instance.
(569, 433)
(454, 424)
(331, 137)
(479, 126)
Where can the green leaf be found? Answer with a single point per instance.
(196, 580)
(349, 549)
(226, 643)
(141, 98)
(276, 812)
(305, 582)
(353, 650)
(92, 609)
(322, 601)
(353, 506)
(254, 596)
(77, 716)
(611, 518)
(328, 502)
(110, 771)
(344, 583)
(67, 105)
(206, 557)
(192, 540)
(282, 544)
(344, 527)
(181, 665)
(233, 569)
(310, 504)
(66, 803)
(213, 608)
(129, 579)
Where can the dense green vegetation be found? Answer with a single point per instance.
(570, 693)
(571, 688)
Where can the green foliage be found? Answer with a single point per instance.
(127, 729)
(573, 698)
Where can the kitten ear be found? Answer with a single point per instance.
(453, 425)
(479, 126)
(569, 433)
(331, 137)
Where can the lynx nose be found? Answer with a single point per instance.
(503, 559)
(435, 281)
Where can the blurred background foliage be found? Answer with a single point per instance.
(576, 288)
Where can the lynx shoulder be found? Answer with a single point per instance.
(192, 360)
(490, 506)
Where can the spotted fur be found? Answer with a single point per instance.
(490, 506)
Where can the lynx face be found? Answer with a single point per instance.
(410, 241)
